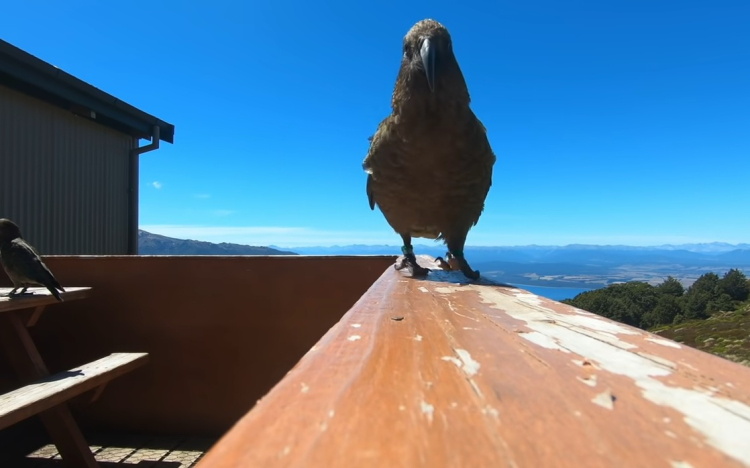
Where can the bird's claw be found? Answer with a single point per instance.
(443, 264)
(411, 264)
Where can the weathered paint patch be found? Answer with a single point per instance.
(418, 338)
(427, 410)
(353, 337)
(663, 342)
(543, 341)
(723, 422)
(680, 464)
(305, 388)
(452, 359)
(464, 362)
(423, 289)
(605, 400)
(471, 367)
(488, 410)
(590, 380)
(356, 325)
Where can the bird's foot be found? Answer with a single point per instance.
(409, 261)
(466, 269)
(456, 261)
(15, 293)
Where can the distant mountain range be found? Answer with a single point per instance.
(687, 254)
(155, 244)
(570, 266)
(579, 266)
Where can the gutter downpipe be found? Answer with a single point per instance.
(133, 186)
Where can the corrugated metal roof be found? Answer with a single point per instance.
(31, 75)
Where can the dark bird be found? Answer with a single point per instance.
(430, 163)
(22, 262)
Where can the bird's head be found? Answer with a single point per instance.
(8, 230)
(428, 64)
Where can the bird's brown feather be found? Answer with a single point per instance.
(430, 163)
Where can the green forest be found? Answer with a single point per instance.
(713, 314)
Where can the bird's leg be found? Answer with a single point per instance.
(456, 253)
(13, 292)
(409, 260)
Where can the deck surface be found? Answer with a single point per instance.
(441, 373)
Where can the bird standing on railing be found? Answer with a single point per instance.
(22, 262)
(430, 163)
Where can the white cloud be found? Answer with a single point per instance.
(156, 184)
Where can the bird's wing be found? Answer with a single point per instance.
(378, 143)
(27, 263)
(487, 157)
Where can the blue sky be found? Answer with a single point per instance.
(613, 122)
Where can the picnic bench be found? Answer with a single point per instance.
(47, 395)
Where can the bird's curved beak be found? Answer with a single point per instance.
(428, 52)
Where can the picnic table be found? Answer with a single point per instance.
(47, 395)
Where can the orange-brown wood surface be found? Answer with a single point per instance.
(220, 331)
(440, 373)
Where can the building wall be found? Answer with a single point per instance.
(63, 179)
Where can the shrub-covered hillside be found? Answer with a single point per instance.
(712, 315)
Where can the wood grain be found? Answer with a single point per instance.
(441, 373)
(52, 390)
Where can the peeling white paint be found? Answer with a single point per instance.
(464, 316)
(604, 400)
(663, 342)
(670, 434)
(491, 411)
(427, 410)
(356, 325)
(305, 387)
(423, 289)
(543, 341)
(469, 328)
(724, 423)
(464, 362)
(680, 464)
(331, 413)
(471, 367)
(418, 338)
(590, 380)
(452, 359)
(354, 338)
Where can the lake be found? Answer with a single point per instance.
(558, 294)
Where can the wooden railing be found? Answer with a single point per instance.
(441, 373)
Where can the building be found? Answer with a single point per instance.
(69, 157)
